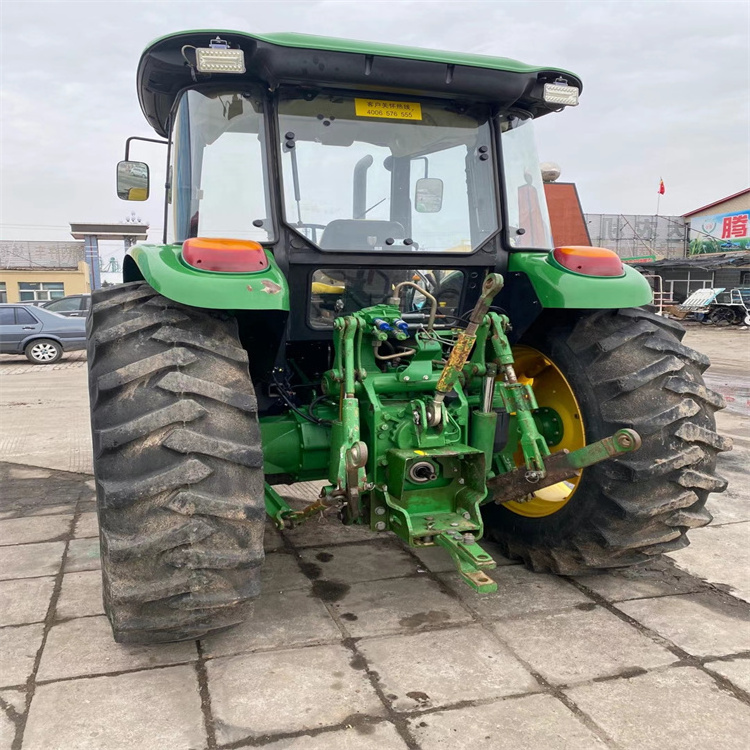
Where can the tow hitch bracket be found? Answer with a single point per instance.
(470, 559)
(562, 465)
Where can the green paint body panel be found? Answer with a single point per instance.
(333, 44)
(163, 268)
(557, 287)
(292, 445)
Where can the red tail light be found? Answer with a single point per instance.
(231, 256)
(590, 261)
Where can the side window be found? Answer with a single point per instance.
(6, 316)
(524, 188)
(231, 187)
(24, 317)
(219, 185)
(65, 305)
(36, 291)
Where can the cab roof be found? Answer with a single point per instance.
(314, 61)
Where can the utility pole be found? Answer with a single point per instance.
(656, 227)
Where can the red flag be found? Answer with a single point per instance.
(661, 187)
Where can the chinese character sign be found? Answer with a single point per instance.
(720, 233)
(734, 226)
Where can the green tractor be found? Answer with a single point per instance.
(358, 287)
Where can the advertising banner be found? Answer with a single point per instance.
(720, 233)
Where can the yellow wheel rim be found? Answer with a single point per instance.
(551, 389)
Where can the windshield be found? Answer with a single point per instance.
(219, 173)
(376, 173)
(528, 220)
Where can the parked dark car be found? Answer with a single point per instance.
(74, 306)
(41, 335)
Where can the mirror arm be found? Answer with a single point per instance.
(138, 138)
(426, 165)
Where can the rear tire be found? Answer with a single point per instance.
(178, 465)
(43, 352)
(627, 368)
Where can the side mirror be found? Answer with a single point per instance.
(132, 181)
(428, 195)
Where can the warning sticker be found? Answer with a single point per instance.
(388, 110)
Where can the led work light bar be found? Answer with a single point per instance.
(218, 58)
(560, 93)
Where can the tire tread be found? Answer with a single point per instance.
(178, 464)
(642, 504)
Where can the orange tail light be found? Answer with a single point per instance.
(590, 261)
(230, 256)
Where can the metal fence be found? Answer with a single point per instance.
(639, 236)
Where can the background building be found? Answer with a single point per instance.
(36, 270)
(680, 277)
(634, 236)
(716, 252)
(722, 226)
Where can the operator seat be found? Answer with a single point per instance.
(360, 234)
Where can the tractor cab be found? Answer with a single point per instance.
(356, 167)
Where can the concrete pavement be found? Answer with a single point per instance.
(45, 413)
(356, 643)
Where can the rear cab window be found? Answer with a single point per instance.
(369, 173)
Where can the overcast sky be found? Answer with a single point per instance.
(666, 92)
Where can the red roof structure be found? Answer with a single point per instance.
(565, 214)
(716, 203)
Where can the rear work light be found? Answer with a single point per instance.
(589, 261)
(560, 93)
(219, 58)
(229, 256)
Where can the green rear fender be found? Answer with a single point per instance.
(558, 287)
(163, 268)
